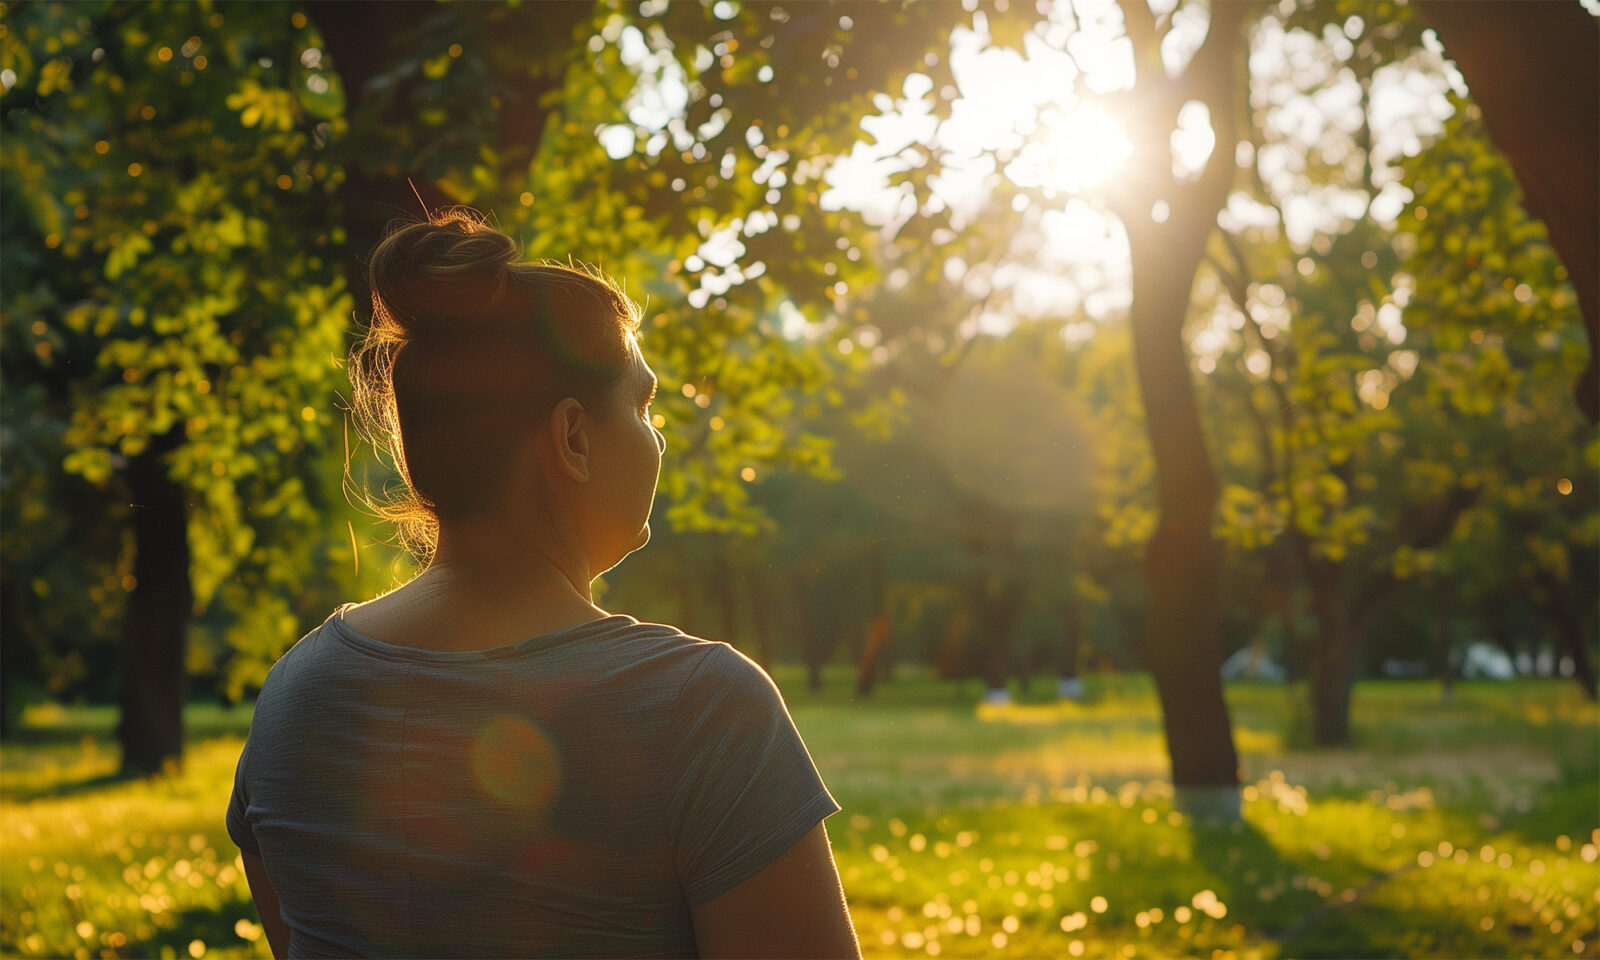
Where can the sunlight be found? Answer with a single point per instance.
(1079, 148)
(1192, 141)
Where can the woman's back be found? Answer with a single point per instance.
(575, 793)
(501, 768)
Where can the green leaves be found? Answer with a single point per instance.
(125, 254)
(271, 108)
(186, 288)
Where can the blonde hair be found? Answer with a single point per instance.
(468, 347)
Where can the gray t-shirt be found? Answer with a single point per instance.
(570, 795)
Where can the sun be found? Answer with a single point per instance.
(1071, 151)
(1084, 146)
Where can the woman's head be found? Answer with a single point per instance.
(478, 373)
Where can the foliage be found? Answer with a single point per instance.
(683, 151)
(1496, 307)
(172, 291)
(1388, 398)
(177, 277)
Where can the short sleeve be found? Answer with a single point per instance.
(741, 788)
(238, 826)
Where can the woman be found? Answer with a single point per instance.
(483, 762)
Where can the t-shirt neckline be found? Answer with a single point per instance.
(391, 651)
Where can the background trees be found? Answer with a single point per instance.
(1321, 415)
(171, 327)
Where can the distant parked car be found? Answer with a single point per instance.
(1247, 663)
(1407, 669)
(1485, 661)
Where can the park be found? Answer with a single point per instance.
(1150, 444)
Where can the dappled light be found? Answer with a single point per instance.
(1150, 445)
(1055, 846)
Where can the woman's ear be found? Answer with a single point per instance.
(569, 435)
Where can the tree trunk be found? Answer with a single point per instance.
(870, 670)
(1182, 560)
(363, 41)
(1573, 644)
(1330, 657)
(1547, 125)
(813, 668)
(1290, 574)
(684, 593)
(155, 680)
(997, 604)
(761, 615)
(367, 40)
(727, 597)
(11, 639)
(1069, 686)
(1445, 644)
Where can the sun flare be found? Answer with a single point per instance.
(1083, 147)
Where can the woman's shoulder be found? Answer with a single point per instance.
(721, 677)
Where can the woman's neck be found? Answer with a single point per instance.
(495, 595)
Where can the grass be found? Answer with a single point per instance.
(1459, 828)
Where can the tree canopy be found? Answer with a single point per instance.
(1252, 297)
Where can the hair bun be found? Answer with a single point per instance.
(436, 277)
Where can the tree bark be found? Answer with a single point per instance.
(1071, 638)
(726, 592)
(1572, 643)
(870, 669)
(761, 614)
(367, 40)
(1069, 682)
(363, 40)
(1530, 67)
(1331, 657)
(1569, 632)
(1182, 560)
(814, 667)
(998, 603)
(1445, 642)
(11, 639)
(155, 678)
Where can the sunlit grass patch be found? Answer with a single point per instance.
(133, 869)
(1037, 829)
(1089, 872)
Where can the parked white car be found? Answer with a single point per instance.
(1485, 661)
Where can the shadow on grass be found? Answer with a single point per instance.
(1367, 929)
(64, 760)
(1243, 861)
(70, 788)
(1245, 864)
(212, 926)
(1570, 807)
(48, 723)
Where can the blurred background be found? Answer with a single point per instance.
(1225, 366)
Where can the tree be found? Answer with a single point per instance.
(162, 160)
(1181, 557)
(194, 290)
(1545, 125)
(1166, 244)
(1316, 366)
(1507, 326)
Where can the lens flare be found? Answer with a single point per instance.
(515, 763)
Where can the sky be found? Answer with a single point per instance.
(1037, 105)
(1030, 117)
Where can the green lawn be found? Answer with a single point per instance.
(1456, 828)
